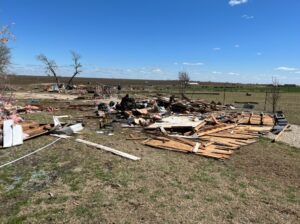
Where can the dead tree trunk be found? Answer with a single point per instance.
(274, 94)
(50, 67)
(77, 66)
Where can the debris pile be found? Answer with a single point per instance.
(191, 126)
(206, 129)
(280, 122)
(218, 140)
(12, 133)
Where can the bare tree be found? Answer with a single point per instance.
(184, 79)
(4, 62)
(50, 66)
(4, 58)
(274, 94)
(77, 66)
(6, 34)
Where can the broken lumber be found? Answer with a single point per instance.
(108, 149)
(214, 130)
(183, 145)
(280, 133)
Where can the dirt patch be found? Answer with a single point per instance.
(43, 96)
(290, 137)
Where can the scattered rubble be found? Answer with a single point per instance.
(192, 126)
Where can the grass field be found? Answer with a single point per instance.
(72, 183)
(260, 184)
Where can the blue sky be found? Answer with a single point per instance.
(247, 41)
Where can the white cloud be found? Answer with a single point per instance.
(297, 72)
(237, 46)
(258, 53)
(237, 2)
(215, 72)
(233, 73)
(285, 69)
(216, 49)
(247, 17)
(156, 70)
(193, 63)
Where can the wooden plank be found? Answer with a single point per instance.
(245, 119)
(255, 128)
(28, 125)
(222, 141)
(36, 131)
(186, 141)
(182, 147)
(207, 128)
(108, 149)
(214, 119)
(255, 119)
(199, 126)
(163, 130)
(280, 133)
(216, 130)
(169, 144)
(233, 136)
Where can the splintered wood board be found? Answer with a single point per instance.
(40, 130)
(234, 136)
(255, 119)
(108, 149)
(182, 147)
(214, 130)
(268, 120)
(255, 128)
(169, 144)
(238, 131)
(29, 124)
(223, 141)
(244, 119)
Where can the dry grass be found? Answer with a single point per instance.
(260, 184)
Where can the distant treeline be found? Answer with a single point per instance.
(157, 85)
